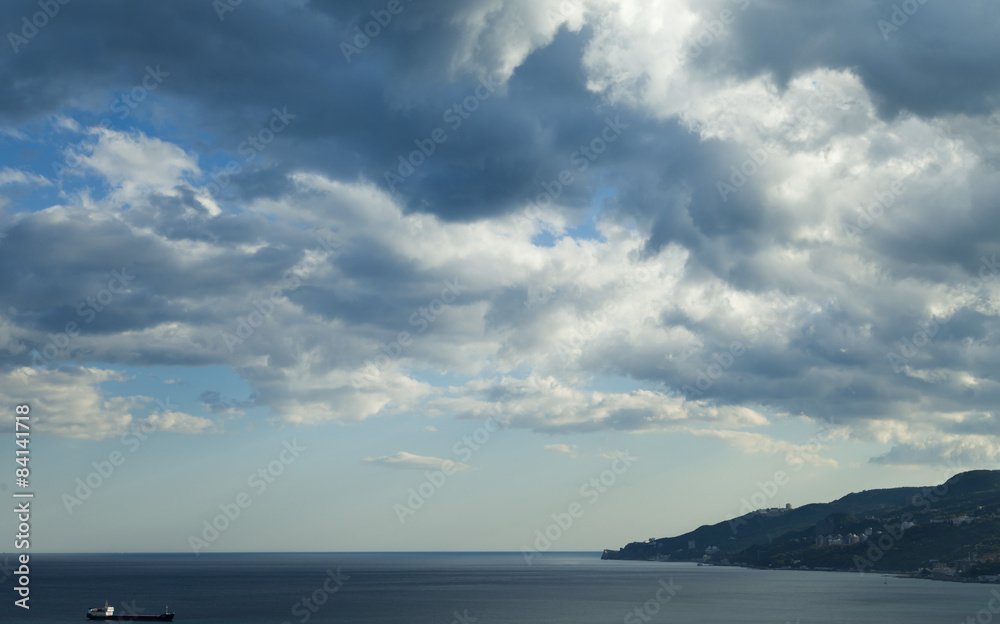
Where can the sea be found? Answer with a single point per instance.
(474, 588)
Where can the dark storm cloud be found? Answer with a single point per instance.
(349, 118)
(94, 247)
(924, 56)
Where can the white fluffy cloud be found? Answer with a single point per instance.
(137, 164)
(71, 402)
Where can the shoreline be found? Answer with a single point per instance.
(886, 573)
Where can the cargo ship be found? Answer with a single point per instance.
(108, 613)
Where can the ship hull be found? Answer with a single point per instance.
(166, 617)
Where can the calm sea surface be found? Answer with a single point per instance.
(481, 588)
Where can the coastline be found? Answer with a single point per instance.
(886, 573)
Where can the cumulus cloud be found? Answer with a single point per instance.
(764, 238)
(138, 164)
(71, 402)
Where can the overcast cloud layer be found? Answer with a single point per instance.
(768, 210)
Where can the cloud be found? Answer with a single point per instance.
(70, 402)
(16, 176)
(418, 462)
(951, 451)
(562, 448)
(764, 238)
(137, 164)
(179, 422)
(753, 443)
(216, 404)
(546, 404)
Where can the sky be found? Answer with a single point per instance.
(455, 275)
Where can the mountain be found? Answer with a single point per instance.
(953, 526)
